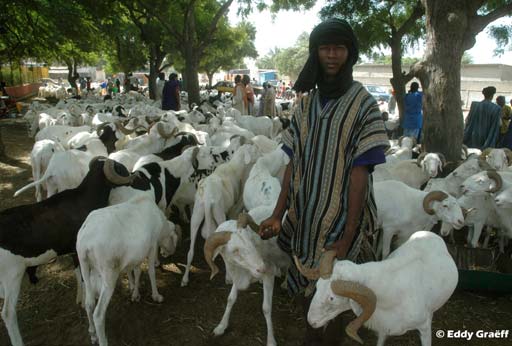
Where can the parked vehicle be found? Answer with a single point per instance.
(378, 92)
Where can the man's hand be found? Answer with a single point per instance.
(270, 227)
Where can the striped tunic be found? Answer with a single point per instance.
(325, 141)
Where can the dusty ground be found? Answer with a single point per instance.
(48, 316)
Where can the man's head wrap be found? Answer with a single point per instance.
(489, 91)
(331, 31)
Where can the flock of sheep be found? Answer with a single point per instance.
(107, 173)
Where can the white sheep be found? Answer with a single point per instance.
(263, 185)
(219, 195)
(403, 210)
(248, 259)
(390, 297)
(40, 157)
(116, 239)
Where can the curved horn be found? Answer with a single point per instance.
(508, 152)
(195, 162)
(465, 149)
(124, 130)
(420, 158)
(442, 158)
(400, 140)
(430, 197)
(113, 176)
(484, 165)
(245, 220)
(212, 243)
(326, 263)
(96, 158)
(362, 295)
(161, 131)
(414, 141)
(493, 175)
(485, 153)
(309, 273)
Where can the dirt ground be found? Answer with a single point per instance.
(48, 315)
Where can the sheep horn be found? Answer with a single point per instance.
(508, 152)
(96, 158)
(212, 243)
(362, 295)
(420, 158)
(430, 197)
(309, 273)
(400, 140)
(195, 162)
(186, 147)
(465, 149)
(414, 141)
(485, 153)
(465, 212)
(113, 176)
(163, 134)
(493, 175)
(123, 129)
(484, 165)
(442, 158)
(245, 220)
(326, 263)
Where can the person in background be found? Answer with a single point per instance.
(483, 122)
(110, 86)
(171, 94)
(83, 86)
(262, 100)
(239, 97)
(118, 85)
(413, 118)
(88, 84)
(335, 138)
(283, 89)
(249, 94)
(160, 82)
(392, 102)
(269, 108)
(506, 115)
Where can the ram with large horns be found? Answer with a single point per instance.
(390, 297)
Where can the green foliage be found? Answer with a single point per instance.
(501, 34)
(467, 59)
(288, 61)
(375, 22)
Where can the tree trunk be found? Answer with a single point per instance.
(398, 81)
(439, 73)
(210, 78)
(153, 72)
(190, 77)
(72, 73)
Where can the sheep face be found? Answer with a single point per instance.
(449, 211)
(326, 305)
(479, 182)
(432, 165)
(466, 169)
(497, 159)
(504, 199)
(241, 252)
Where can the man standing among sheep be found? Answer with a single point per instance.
(336, 137)
(483, 122)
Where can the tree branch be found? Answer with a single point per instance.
(416, 14)
(164, 21)
(213, 25)
(480, 22)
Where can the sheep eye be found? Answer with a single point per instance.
(331, 298)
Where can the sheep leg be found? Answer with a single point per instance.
(11, 291)
(477, 231)
(135, 284)
(381, 338)
(157, 297)
(221, 327)
(79, 287)
(90, 299)
(487, 237)
(426, 333)
(268, 288)
(107, 289)
(195, 223)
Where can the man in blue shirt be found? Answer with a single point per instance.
(483, 122)
(413, 119)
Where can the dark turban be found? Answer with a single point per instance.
(489, 91)
(332, 31)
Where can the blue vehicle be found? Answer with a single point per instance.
(378, 92)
